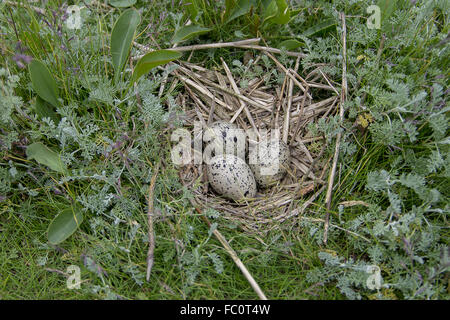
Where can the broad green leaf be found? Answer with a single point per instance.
(270, 11)
(188, 32)
(283, 16)
(43, 82)
(44, 155)
(242, 7)
(320, 27)
(64, 225)
(121, 38)
(290, 44)
(153, 59)
(122, 3)
(44, 110)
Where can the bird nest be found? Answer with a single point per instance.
(261, 96)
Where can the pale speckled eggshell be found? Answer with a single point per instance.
(228, 136)
(267, 161)
(231, 177)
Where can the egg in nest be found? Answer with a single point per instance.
(269, 161)
(224, 138)
(231, 177)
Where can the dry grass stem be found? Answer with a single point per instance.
(272, 50)
(242, 103)
(289, 74)
(289, 104)
(235, 258)
(343, 98)
(218, 45)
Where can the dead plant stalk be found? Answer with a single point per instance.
(339, 135)
(235, 257)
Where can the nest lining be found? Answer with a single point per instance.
(215, 95)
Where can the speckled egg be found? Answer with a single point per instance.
(269, 161)
(231, 177)
(224, 138)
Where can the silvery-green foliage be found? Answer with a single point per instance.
(9, 103)
(152, 110)
(405, 223)
(8, 100)
(97, 202)
(5, 180)
(218, 264)
(211, 213)
(74, 137)
(193, 260)
(105, 291)
(102, 91)
(137, 275)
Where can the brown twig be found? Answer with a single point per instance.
(311, 167)
(236, 90)
(300, 209)
(244, 44)
(338, 137)
(225, 90)
(289, 104)
(203, 90)
(57, 271)
(289, 74)
(218, 45)
(272, 50)
(151, 232)
(234, 256)
(328, 81)
(200, 46)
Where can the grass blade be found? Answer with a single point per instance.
(387, 7)
(319, 27)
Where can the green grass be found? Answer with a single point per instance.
(113, 236)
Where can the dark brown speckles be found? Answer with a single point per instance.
(226, 137)
(233, 179)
